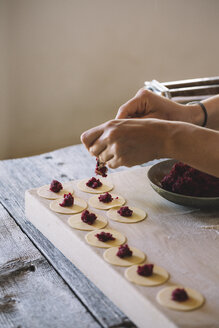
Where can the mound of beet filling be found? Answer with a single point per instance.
(124, 251)
(68, 200)
(186, 180)
(145, 270)
(101, 169)
(179, 295)
(94, 183)
(105, 198)
(104, 236)
(88, 217)
(125, 211)
(55, 186)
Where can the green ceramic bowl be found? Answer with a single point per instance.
(156, 174)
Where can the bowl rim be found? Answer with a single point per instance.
(173, 193)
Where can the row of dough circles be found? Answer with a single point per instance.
(79, 204)
(110, 255)
(45, 191)
(137, 216)
(159, 276)
(57, 198)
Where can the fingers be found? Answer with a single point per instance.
(90, 136)
(113, 163)
(128, 109)
(143, 92)
(111, 156)
(106, 157)
(97, 149)
(96, 141)
(100, 141)
(135, 107)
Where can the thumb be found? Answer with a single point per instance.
(129, 109)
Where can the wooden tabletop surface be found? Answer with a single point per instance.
(39, 287)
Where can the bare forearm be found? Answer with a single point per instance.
(136, 141)
(197, 114)
(212, 106)
(147, 104)
(193, 145)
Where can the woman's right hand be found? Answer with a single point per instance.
(146, 104)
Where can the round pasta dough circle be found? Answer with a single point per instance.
(48, 194)
(137, 257)
(159, 276)
(79, 206)
(93, 241)
(106, 186)
(75, 222)
(195, 301)
(137, 215)
(94, 202)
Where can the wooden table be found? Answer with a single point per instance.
(39, 287)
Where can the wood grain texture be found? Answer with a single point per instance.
(65, 164)
(32, 294)
(173, 236)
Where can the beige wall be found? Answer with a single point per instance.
(4, 82)
(73, 62)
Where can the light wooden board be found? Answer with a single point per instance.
(173, 237)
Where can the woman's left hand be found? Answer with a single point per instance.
(126, 142)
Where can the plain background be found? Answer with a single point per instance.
(67, 65)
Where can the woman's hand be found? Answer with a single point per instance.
(146, 104)
(135, 141)
(131, 142)
(127, 142)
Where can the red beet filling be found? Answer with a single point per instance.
(105, 198)
(185, 180)
(94, 183)
(104, 236)
(55, 186)
(101, 169)
(125, 211)
(87, 217)
(68, 200)
(145, 270)
(179, 295)
(124, 251)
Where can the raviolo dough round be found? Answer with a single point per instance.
(93, 241)
(137, 215)
(79, 206)
(106, 186)
(159, 276)
(195, 301)
(75, 222)
(137, 257)
(94, 202)
(48, 194)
